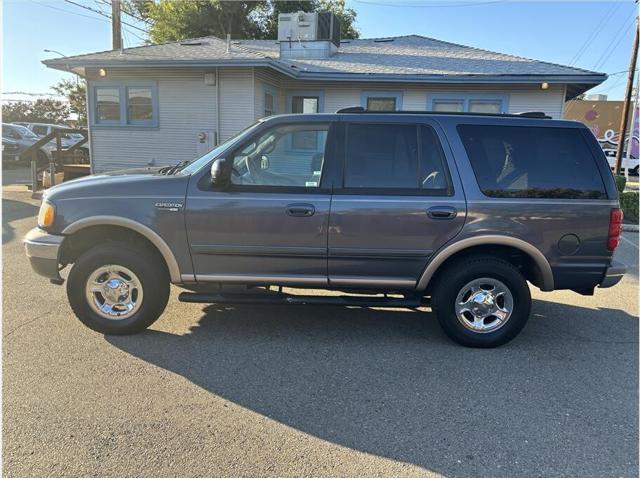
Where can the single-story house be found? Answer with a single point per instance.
(159, 104)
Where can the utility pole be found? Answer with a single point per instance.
(627, 101)
(116, 29)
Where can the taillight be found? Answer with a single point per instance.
(615, 229)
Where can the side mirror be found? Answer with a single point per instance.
(220, 173)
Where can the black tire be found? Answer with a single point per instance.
(460, 273)
(145, 264)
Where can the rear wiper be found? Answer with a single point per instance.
(177, 167)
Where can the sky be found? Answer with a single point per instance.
(586, 34)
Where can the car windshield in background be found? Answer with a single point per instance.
(532, 162)
(24, 132)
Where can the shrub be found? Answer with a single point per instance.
(621, 182)
(629, 205)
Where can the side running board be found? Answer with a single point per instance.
(280, 298)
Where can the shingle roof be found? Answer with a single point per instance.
(413, 54)
(405, 56)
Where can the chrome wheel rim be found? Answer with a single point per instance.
(114, 292)
(484, 305)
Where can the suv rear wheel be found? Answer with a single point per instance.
(481, 302)
(117, 288)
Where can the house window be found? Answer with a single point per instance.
(268, 103)
(305, 104)
(452, 106)
(381, 100)
(468, 103)
(139, 103)
(305, 101)
(485, 106)
(107, 104)
(125, 103)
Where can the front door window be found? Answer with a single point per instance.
(287, 155)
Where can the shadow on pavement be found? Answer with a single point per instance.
(14, 211)
(390, 384)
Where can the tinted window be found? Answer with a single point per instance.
(381, 156)
(515, 161)
(433, 174)
(274, 159)
(395, 156)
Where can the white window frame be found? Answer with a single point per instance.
(467, 97)
(397, 95)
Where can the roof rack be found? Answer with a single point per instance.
(524, 114)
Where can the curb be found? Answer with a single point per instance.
(630, 227)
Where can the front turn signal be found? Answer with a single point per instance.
(46, 215)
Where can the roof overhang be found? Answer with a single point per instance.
(577, 84)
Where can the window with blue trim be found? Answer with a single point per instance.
(468, 103)
(381, 100)
(125, 104)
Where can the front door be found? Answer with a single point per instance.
(270, 224)
(399, 202)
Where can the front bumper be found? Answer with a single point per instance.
(613, 274)
(43, 251)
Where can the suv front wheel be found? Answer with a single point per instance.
(481, 302)
(118, 288)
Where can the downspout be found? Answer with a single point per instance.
(564, 101)
(217, 106)
(88, 113)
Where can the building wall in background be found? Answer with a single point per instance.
(188, 106)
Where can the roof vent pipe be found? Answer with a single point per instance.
(228, 42)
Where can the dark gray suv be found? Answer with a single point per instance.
(458, 211)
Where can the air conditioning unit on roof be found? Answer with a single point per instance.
(303, 26)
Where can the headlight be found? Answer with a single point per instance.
(46, 215)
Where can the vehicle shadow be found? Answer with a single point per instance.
(13, 211)
(390, 384)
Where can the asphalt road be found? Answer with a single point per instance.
(314, 391)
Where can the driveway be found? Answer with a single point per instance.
(315, 391)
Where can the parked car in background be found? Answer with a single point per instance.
(68, 139)
(393, 209)
(632, 164)
(16, 139)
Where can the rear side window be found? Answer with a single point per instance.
(394, 156)
(533, 162)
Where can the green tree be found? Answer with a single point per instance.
(39, 111)
(171, 20)
(76, 94)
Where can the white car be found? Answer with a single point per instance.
(631, 164)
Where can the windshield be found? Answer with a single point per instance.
(24, 132)
(201, 162)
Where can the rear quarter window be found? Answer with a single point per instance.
(532, 162)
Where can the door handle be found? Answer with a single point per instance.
(442, 212)
(300, 210)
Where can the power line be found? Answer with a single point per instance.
(69, 11)
(604, 57)
(100, 12)
(594, 34)
(125, 11)
(134, 34)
